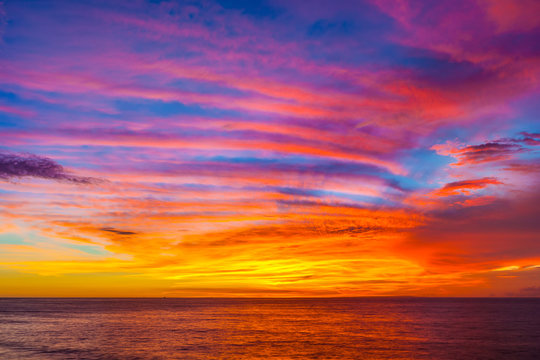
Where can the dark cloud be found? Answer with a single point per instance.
(488, 152)
(531, 139)
(530, 291)
(528, 134)
(118, 232)
(14, 166)
(527, 167)
(501, 149)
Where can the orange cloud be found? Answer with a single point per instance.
(466, 186)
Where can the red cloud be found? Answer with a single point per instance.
(496, 150)
(526, 167)
(492, 151)
(466, 186)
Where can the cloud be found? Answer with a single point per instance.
(531, 139)
(530, 291)
(503, 232)
(208, 140)
(526, 167)
(14, 166)
(513, 15)
(466, 186)
(478, 201)
(118, 232)
(491, 151)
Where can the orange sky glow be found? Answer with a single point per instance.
(371, 148)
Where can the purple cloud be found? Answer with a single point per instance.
(14, 165)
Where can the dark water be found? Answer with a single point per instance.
(359, 328)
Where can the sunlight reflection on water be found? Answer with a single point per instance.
(359, 328)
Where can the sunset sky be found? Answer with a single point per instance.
(270, 148)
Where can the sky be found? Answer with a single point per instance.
(269, 148)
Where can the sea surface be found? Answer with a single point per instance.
(344, 328)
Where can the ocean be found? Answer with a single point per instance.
(337, 328)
